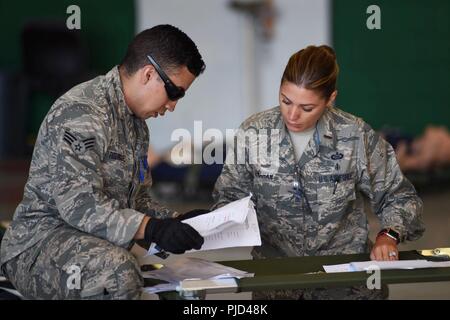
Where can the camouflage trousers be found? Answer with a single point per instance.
(70, 264)
(348, 293)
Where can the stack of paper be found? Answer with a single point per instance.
(5, 286)
(190, 268)
(233, 225)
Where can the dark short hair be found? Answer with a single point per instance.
(168, 45)
(313, 68)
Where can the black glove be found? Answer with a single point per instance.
(192, 213)
(172, 235)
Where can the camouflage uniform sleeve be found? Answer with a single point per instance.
(145, 203)
(78, 192)
(393, 198)
(235, 182)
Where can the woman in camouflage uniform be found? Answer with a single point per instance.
(311, 202)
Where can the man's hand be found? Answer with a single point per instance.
(385, 249)
(192, 213)
(172, 235)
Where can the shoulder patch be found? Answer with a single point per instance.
(78, 146)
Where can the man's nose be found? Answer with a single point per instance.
(171, 105)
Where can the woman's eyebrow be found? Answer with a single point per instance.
(286, 97)
(301, 104)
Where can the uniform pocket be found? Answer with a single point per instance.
(334, 200)
(117, 169)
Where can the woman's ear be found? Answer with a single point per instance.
(332, 98)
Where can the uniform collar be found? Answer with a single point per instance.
(116, 93)
(326, 130)
(324, 139)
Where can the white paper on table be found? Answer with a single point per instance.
(194, 268)
(345, 267)
(385, 265)
(162, 287)
(398, 264)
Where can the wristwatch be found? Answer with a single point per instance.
(391, 233)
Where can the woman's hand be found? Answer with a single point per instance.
(385, 249)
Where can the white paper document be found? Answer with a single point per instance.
(221, 218)
(385, 265)
(233, 225)
(187, 268)
(163, 287)
(345, 267)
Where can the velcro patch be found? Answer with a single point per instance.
(115, 156)
(336, 177)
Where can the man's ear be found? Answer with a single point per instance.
(146, 74)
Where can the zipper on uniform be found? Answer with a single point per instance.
(130, 193)
(301, 188)
(132, 188)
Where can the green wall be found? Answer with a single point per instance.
(399, 75)
(106, 27)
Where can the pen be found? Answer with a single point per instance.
(335, 185)
(141, 171)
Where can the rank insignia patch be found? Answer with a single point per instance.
(78, 146)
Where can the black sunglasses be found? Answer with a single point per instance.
(173, 92)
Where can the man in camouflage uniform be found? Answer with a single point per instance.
(315, 206)
(87, 197)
